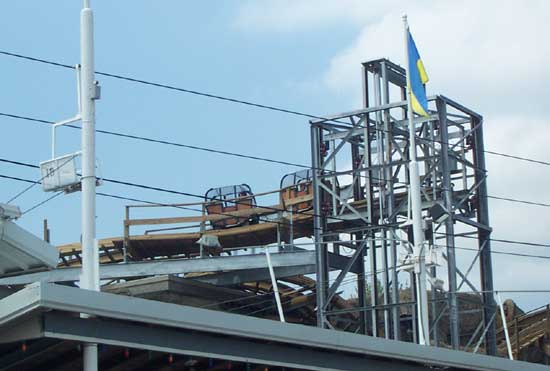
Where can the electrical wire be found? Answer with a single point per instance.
(33, 183)
(520, 201)
(497, 252)
(214, 151)
(171, 191)
(236, 155)
(275, 222)
(153, 203)
(42, 203)
(518, 158)
(228, 99)
(189, 146)
(313, 243)
(161, 141)
(127, 199)
(166, 86)
(229, 215)
(534, 244)
(50, 172)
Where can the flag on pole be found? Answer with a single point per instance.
(417, 78)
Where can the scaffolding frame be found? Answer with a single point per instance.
(370, 216)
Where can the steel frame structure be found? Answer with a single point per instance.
(368, 219)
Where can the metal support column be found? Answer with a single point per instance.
(484, 238)
(320, 247)
(449, 223)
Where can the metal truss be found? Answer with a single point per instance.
(361, 210)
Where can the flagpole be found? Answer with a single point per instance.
(416, 211)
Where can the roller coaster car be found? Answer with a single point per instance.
(222, 200)
(300, 184)
(294, 185)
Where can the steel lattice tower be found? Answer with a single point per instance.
(361, 206)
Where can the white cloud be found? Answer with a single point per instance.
(492, 53)
(489, 53)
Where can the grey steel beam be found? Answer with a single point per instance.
(460, 107)
(449, 224)
(357, 196)
(41, 297)
(462, 275)
(484, 239)
(389, 75)
(21, 250)
(175, 266)
(336, 261)
(471, 266)
(396, 73)
(320, 247)
(363, 111)
(371, 234)
(472, 223)
(332, 290)
(28, 328)
(202, 344)
(254, 275)
(19, 304)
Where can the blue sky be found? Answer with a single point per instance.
(301, 55)
(193, 45)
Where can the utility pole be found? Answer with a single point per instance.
(89, 279)
(416, 211)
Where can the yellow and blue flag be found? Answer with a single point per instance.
(417, 79)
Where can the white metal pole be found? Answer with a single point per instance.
(416, 211)
(90, 262)
(505, 326)
(275, 287)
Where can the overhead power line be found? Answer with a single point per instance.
(34, 182)
(165, 190)
(161, 141)
(152, 188)
(227, 99)
(126, 198)
(170, 87)
(258, 158)
(513, 242)
(160, 189)
(188, 146)
(520, 201)
(42, 202)
(547, 163)
(39, 180)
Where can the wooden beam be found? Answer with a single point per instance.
(206, 218)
